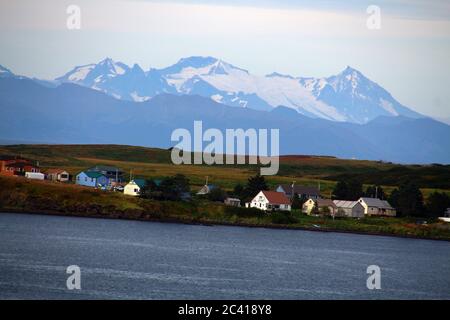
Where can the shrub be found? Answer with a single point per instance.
(279, 217)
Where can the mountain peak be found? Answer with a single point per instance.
(350, 71)
(5, 72)
(279, 75)
(197, 61)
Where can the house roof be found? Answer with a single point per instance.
(325, 203)
(140, 182)
(345, 203)
(104, 168)
(375, 202)
(19, 165)
(312, 191)
(92, 174)
(51, 171)
(276, 197)
(233, 199)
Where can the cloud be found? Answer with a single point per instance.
(198, 19)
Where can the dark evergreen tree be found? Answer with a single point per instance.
(254, 185)
(217, 194)
(408, 200)
(238, 191)
(375, 192)
(437, 203)
(354, 190)
(340, 191)
(297, 202)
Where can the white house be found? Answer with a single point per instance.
(57, 175)
(353, 209)
(34, 175)
(133, 188)
(232, 202)
(377, 207)
(271, 200)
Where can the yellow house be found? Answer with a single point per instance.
(133, 188)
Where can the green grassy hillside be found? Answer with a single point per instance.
(307, 170)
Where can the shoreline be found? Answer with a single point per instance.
(209, 223)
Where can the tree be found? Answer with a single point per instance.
(437, 204)
(297, 202)
(354, 191)
(254, 185)
(171, 188)
(238, 191)
(408, 200)
(375, 191)
(217, 194)
(340, 191)
(351, 190)
(149, 191)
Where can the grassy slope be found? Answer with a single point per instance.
(18, 194)
(155, 163)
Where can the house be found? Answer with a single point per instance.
(377, 207)
(206, 189)
(16, 166)
(114, 174)
(58, 175)
(270, 200)
(35, 175)
(233, 202)
(133, 188)
(91, 179)
(353, 209)
(302, 191)
(324, 206)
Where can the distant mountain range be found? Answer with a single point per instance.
(35, 110)
(346, 97)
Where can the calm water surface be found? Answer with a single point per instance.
(145, 260)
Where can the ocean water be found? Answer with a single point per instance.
(121, 259)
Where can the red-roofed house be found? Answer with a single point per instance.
(16, 166)
(271, 201)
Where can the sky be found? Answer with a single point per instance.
(408, 55)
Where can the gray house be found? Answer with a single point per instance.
(302, 191)
(352, 209)
(377, 207)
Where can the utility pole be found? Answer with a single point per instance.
(292, 192)
(376, 192)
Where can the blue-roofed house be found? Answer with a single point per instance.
(92, 179)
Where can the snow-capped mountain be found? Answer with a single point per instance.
(348, 96)
(355, 96)
(4, 72)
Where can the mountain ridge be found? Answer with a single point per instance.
(348, 96)
(71, 113)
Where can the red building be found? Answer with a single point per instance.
(11, 166)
